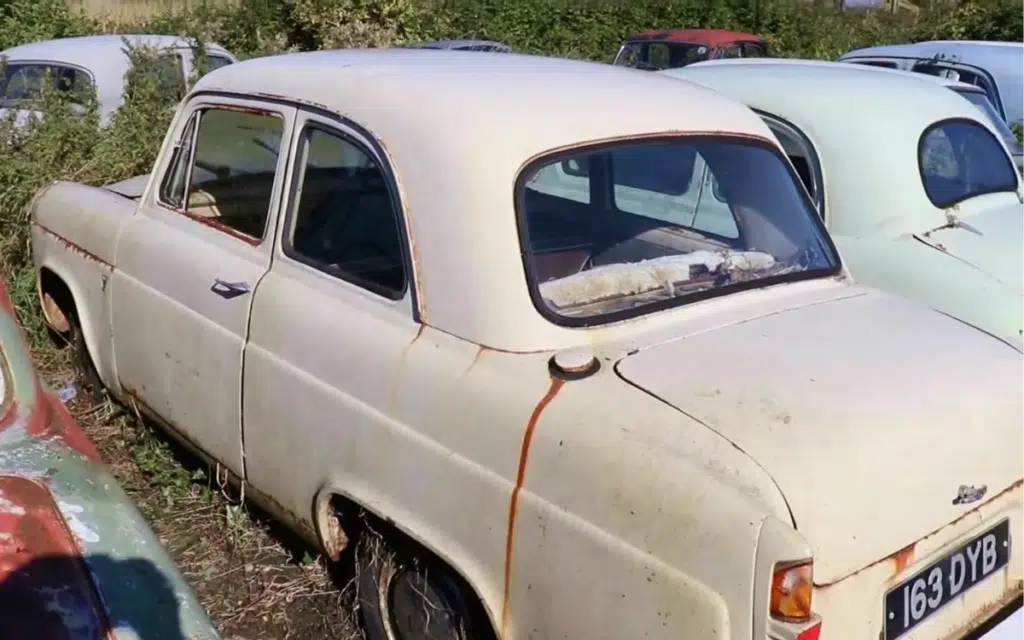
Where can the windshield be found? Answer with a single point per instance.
(23, 82)
(642, 225)
(654, 56)
(960, 159)
(980, 100)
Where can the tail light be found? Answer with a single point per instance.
(792, 587)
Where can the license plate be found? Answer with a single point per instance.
(931, 588)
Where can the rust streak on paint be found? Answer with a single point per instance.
(73, 247)
(397, 376)
(213, 223)
(902, 558)
(513, 505)
(476, 358)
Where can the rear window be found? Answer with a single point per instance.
(960, 159)
(639, 226)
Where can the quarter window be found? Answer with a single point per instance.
(213, 61)
(345, 221)
(229, 175)
(959, 159)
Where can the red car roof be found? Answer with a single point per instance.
(708, 37)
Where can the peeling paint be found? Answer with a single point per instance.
(72, 246)
(82, 532)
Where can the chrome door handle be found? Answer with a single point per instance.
(229, 290)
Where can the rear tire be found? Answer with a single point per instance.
(405, 595)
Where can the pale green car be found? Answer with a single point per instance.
(920, 196)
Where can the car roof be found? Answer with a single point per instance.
(1004, 61)
(457, 131)
(847, 110)
(81, 50)
(102, 56)
(709, 37)
(798, 62)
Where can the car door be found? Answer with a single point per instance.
(330, 322)
(188, 262)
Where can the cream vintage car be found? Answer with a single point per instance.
(359, 283)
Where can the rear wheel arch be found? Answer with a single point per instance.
(341, 521)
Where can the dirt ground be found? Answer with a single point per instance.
(255, 581)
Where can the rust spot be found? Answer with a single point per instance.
(902, 558)
(911, 546)
(513, 505)
(335, 540)
(294, 100)
(213, 223)
(53, 313)
(393, 393)
(74, 247)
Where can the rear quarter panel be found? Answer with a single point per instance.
(908, 267)
(74, 235)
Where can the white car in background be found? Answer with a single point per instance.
(100, 62)
(916, 189)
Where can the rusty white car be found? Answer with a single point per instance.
(99, 64)
(370, 287)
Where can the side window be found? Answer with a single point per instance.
(345, 222)
(629, 56)
(960, 159)
(569, 179)
(752, 50)
(171, 75)
(661, 182)
(212, 61)
(874, 63)
(803, 156)
(658, 55)
(731, 51)
(229, 175)
(26, 81)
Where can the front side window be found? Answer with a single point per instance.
(171, 75)
(228, 178)
(345, 221)
(960, 159)
(708, 216)
(23, 82)
(981, 101)
(753, 50)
